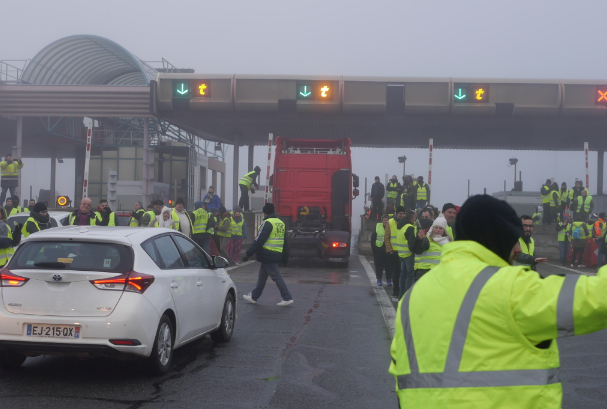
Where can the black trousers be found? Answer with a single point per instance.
(379, 259)
(377, 208)
(393, 269)
(579, 252)
(546, 217)
(243, 203)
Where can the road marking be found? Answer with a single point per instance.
(573, 270)
(385, 303)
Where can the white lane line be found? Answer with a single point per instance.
(385, 303)
(573, 270)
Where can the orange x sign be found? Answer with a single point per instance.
(603, 96)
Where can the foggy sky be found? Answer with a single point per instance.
(481, 39)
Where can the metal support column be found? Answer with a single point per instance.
(600, 167)
(214, 181)
(235, 174)
(251, 151)
(17, 151)
(52, 197)
(148, 165)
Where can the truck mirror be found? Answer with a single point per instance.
(355, 181)
(355, 192)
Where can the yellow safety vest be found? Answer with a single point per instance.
(555, 199)
(14, 211)
(276, 240)
(475, 356)
(92, 219)
(401, 240)
(381, 232)
(236, 228)
(392, 193)
(224, 233)
(247, 180)
(111, 222)
(393, 234)
(431, 257)
(545, 194)
(201, 219)
(152, 215)
(10, 171)
(24, 232)
(526, 250)
(134, 222)
(422, 192)
(583, 205)
(7, 253)
(564, 196)
(562, 234)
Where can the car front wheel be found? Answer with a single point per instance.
(228, 319)
(161, 358)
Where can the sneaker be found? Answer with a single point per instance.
(284, 303)
(581, 266)
(389, 283)
(249, 298)
(572, 265)
(379, 283)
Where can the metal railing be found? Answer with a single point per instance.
(11, 71)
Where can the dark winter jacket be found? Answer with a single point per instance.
(44, 222)
(264, 255)
(377, 191)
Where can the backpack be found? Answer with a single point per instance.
(576, 233)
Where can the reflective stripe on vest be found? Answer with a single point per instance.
(401, 240)
(277, 237)
(422, 193)
(555, 199)
(381, 232)
(562, 234)
(431, 257)
(10, 171)
(451, 377)
(392, 193)
(394, 234)
(201, 220)
(236, 227)
(247, 179)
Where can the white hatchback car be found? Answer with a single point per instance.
(126, 292)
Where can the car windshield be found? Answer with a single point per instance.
(21, 219)
(84, 256)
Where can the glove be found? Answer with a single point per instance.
(245, 258)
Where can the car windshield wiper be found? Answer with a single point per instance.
(50, 264)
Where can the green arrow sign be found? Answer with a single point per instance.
(181, 89)
(459, 95)
(305, 92)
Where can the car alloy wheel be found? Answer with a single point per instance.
(165, 344)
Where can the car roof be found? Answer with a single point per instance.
(114, 234)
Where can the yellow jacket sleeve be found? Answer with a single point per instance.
(3, 165)
(558, 306)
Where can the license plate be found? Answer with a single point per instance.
(52, 331)
(336, 259)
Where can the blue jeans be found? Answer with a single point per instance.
(600, 257)
(564, 250)
(270, 269)
(407, 274)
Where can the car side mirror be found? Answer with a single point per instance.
(220, 262)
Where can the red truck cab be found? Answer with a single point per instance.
(312, 192)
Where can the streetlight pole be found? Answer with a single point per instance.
(513, 161)
(403, 160)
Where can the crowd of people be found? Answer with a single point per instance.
(411, 195)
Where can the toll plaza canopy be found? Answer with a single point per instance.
(459, 113)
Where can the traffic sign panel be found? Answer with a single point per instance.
(470, 93)
(181, 89)
(601, 95)
(315, 90)
(201, 89)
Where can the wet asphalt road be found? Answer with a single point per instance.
(330, 349)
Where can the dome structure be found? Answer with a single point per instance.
(86, 60)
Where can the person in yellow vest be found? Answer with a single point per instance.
(39, 220)
(422, 193)
(9, 171)
(12, 207)
(8, 239)
(527, 255)
(271, 247)
(429, 246)
(83, 216)
(136, 215)
(182, 217)
(449, 213)
(564, 194)
(247, 182)
(562, 230)
(105, 216)
(224, 232)
(202, 225)
(165, 220)
(478, 333)
(378, 247)
(537, 216)
(238, 229)
(600, 228)
(393, 267)
(555, 202)
(407, 231)
(578, 233)
(393, 189)
(149, 217)
(583, 205)
(545, 193)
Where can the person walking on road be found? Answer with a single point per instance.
(392, 247)
(378, 247)
(83, 215)
(9, 170)
(407, 229)
(478, 333)
(527, 255)
(271, 247)
(377, 197)
(247, 182)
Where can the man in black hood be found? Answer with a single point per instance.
(377, 196)
(39, 220)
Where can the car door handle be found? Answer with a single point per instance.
(223, 281)
(199, 283)
(174, 285)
